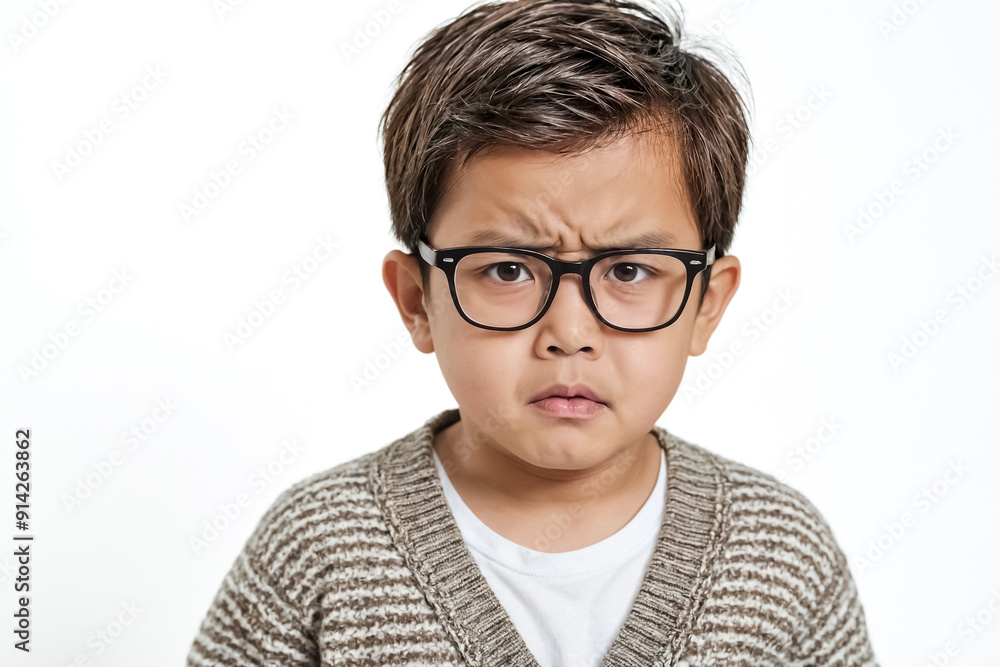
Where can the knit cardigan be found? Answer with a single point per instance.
(363, 564)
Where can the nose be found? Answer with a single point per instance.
(569, 326)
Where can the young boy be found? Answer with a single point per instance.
(567, 180)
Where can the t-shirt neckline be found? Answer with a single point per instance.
(640, 530)
(410, 497)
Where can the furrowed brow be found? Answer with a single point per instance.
(493, 237)
(657, 239)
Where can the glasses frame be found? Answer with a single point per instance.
(447, 259)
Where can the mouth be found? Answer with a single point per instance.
(562, 401)
(562, 391)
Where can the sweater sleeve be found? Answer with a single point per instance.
(838, 633)
(251, 623)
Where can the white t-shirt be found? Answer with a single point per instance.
(567, 606)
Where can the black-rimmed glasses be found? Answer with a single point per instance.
(508, 289)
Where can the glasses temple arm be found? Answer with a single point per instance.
(428, 255)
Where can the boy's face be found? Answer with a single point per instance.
(567, 205)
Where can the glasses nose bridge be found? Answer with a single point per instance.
(560, 268)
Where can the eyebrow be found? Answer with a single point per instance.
(655, 239)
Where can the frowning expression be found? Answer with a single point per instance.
(569, 392)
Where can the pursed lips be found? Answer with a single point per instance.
(563, 391)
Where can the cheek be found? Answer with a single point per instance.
(474, 363)
(438, 302)
(653, 368)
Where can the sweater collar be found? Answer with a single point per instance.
(407, 488)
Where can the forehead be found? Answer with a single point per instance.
(625, 194)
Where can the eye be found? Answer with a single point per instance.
(627, 272)
(508, 272)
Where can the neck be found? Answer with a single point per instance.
(521, 501)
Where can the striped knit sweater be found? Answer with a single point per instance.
(364, 565)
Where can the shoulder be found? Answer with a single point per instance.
(333, 520)
(316, 520)
(343, 486)
(774, 571)
(759, 501)
(771, 534)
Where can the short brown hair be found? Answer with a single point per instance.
(563, 76)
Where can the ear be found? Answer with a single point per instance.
(721, 289)
(401, 275)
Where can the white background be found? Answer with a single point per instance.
(898, 428)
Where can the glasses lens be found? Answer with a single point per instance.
(639, 290)
(501, 289)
